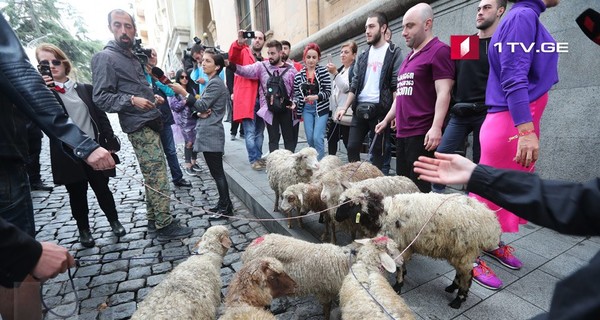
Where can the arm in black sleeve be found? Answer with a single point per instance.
(19, 254)
(567, 207)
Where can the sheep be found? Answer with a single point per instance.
(301, 198)
(193, 289)
(333, 185)
(326, 164)
(285, 168)
(319, 269)
(253, 287)
(459, 229)
(365, 292)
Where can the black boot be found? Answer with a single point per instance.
(117, 228)
(85, 237)
(227, 209)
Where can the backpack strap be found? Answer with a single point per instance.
(286, 70)
(267, 69)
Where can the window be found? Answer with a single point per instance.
(261, 10)
(243, 7)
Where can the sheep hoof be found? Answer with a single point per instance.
(398, 287)
(451, 288)
(455, 304)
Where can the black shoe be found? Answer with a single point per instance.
(152, 224)
(173, 232)
(40, 186)
(196, 167)
(85, 238)
(182, 183)
(117, 228)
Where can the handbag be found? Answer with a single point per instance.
(468, 109)
(346, 119)
(367, 111)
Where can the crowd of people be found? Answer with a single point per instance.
(425, 99)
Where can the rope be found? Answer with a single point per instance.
(367, 290)
(72, 313)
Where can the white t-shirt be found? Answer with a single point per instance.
(370, 92)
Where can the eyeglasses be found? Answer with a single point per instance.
(183, 77)
(55, 62)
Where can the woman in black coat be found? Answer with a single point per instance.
(76, 99)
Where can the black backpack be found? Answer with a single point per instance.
(276, 93)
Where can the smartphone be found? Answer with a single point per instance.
(329, 58)
(44, 70)
(248, 35)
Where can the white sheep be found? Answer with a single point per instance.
(333, 185)
(459, 229)
(285, 169)
(365, 292)
(328, 163)
(301, 198)
(253, 287)
(318, 269)
(193, 289)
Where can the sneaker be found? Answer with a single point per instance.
(263, 161)
(173, 232)
(504, 255)
(256, 165)
(189, 171)
(196, 167)
(485, 277)
(232, 137)
(152, 224)
(182, 183)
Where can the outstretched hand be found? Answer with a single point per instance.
(445, 169)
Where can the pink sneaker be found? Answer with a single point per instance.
(484, 276)
(504, 255)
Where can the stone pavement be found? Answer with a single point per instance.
(119, 273)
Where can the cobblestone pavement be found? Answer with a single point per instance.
(117, 274)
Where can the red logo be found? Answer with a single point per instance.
(464, 47)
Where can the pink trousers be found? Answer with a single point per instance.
(498, 152)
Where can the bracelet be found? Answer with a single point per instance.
(521, 134)
(132, 96)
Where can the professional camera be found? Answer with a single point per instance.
(141, 53)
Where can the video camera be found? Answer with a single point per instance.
(141, 53)
(189, 62)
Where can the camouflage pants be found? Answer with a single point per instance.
(151, 158)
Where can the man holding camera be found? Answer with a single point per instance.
(120, 86)
(245, 97)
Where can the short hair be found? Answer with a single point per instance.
(197, 48)
(57, 52)
(274, 43)
(381, 18)
(121, 11)
(217, 57)
(312, 46)
(353, 46)
(286, 43)
(501, 3)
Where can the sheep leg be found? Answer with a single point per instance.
(400, 273)
(333, 238)
(289, 215)
(276, 206)
(463, 281)
(327, 310)
(328, 222)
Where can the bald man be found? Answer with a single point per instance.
(425, 81)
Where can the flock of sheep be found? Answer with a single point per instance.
(355, 198)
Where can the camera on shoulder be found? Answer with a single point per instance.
(140, 52)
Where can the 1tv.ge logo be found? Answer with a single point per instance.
(464, 47)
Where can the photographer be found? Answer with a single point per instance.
(120, 87)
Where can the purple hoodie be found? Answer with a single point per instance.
(516, 77)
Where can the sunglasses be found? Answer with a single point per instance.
(55, 62)
(183, 77)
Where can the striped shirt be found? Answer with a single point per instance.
(323, 80)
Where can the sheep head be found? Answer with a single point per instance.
(379, 253)
(362, 205)
(215, 239)
(307, 159)
(291, 198)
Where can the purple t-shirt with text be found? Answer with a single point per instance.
(415, 94)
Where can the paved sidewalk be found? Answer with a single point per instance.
(111, 288)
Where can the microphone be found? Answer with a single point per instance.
(589, 22)
(160, 75)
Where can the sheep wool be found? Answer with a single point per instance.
(301, 198)
(381, 299)
(193, 289)
(285, 169)
(328, 163)
(253, 288)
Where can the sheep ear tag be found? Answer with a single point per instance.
(387, 262)
(357, 221)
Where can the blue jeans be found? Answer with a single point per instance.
(454, 137)
(166, 138)
(314, 127)
(254, 136)
(16, 206)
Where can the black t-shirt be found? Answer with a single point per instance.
(472, 75)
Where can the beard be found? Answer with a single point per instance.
(375, 39)
(485, 24)
(125, 45)
(274, 61)
(284, 57)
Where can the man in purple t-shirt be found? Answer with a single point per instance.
(425, 81)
